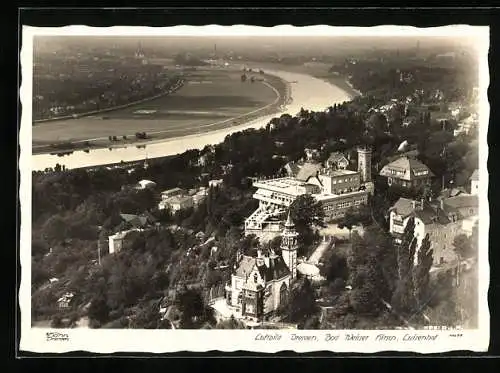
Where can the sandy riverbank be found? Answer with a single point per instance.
(275, 85)
(307, 91)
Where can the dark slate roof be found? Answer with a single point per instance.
(431, 215)
(428, 214)
(277, 268)
(308, 170)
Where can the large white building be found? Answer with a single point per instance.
(337, 189)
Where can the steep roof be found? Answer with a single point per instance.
(408, 166)
(308, 170)
(475, 175)
(336, 156)
(403, 207)
(245, 266)
(277, 268)
(293, 167)
(428, 214)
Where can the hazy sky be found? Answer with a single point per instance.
(238, 43)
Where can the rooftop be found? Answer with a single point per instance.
(287, 185)
(475, 175)
(425, 212)
(336, 156)
(406, 168)
(138, 220)
(146, 183)
(307, 170)
(325, 197)
(119, 235)
(276, 268)
(461, 201)
(179, 199)
(338, 172)
(173, 190)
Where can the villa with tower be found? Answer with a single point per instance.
(260, 285)
(337, 188)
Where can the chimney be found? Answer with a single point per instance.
(259, 253)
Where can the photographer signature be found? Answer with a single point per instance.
(55, 336)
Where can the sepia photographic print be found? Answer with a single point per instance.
(242, 188)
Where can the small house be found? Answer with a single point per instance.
(337, 161)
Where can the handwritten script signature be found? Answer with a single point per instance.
(55, 336)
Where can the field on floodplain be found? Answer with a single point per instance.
(209, 100)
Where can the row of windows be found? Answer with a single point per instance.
(346, 180)
(421, 173)
(345, 204)
(395, 172)
(280, 198)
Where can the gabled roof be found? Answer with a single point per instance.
(403, 207)
(277, 268)
(245, 266)
(307, 170)
(336, 156)
(407, 165)
(475, 175)
(138, 220)
(293, 167)
(428, 214)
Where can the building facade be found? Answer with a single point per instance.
(260, 285)
(407, 172)
(443, 220)
(338, 190)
